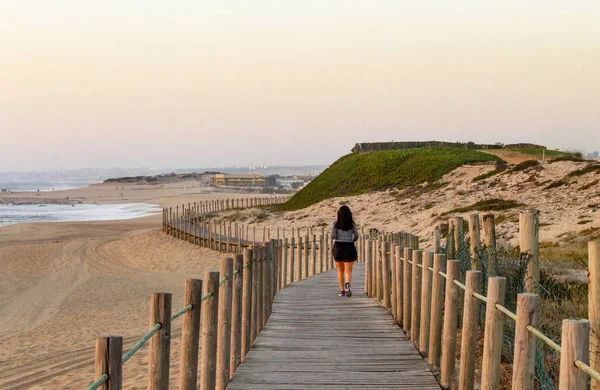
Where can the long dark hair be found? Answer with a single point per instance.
(344, 219)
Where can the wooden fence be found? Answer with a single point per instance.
(200, 211)
(422, 290)
(195, 223)
(233, 303)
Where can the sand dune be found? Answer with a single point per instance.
(565, 211)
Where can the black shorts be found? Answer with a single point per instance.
(344, 251)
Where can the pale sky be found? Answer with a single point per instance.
(191, 83)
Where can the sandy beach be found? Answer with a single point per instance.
(62, 284)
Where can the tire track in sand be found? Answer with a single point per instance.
(75, 262)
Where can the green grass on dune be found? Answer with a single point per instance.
(539, 152)
(356, 174)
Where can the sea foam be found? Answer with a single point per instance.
(13, 213)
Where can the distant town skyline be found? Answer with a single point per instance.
(158, 84)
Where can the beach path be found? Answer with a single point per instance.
(317, 340)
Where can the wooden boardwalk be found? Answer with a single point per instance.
(318, 340)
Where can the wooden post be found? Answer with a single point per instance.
(575, 339)
(265, 285)
(268, 280)
(489, 240)
(470, 331)
(458, 233)
(376, 268)
(374, 250)
(279, 254)
(274, 271)
(407, 289)
(450, 242)
(224, 331)
(437, 237)
(236, 314)
(492, 344)
(269, 277)
(328, 255)
(415, 321)
(364, 248)
(393, 287)
(109, 360)
(285, 264)
(306, 252)
(160, 344)
(529, 242)
(379, 264)
(525, 342)
(399, 284)
(247, 303)
(255, 295)
(300, 260)
(275, 263)
(474, 241)
(594, 306)
(260, 288)
(426, 278)
(210, 311)
(368, 270)
(228, 234)
(450, 325)
(221, 231)
(190, 335)
(321, 253)
(313, 265)
(385, 274)
(292, 266)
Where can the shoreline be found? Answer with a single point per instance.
(29, 213)
(164, 195)
(28, 202)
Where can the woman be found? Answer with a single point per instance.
(343, 236)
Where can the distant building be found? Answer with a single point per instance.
(245, 180)
(287, 182)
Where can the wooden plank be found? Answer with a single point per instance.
(315, 339)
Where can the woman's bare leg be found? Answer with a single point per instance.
(348, 271)
(341, 268)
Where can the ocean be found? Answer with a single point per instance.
(42, 185)
(11, 214)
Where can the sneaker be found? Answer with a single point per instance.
(348, 291)
(342, 293)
